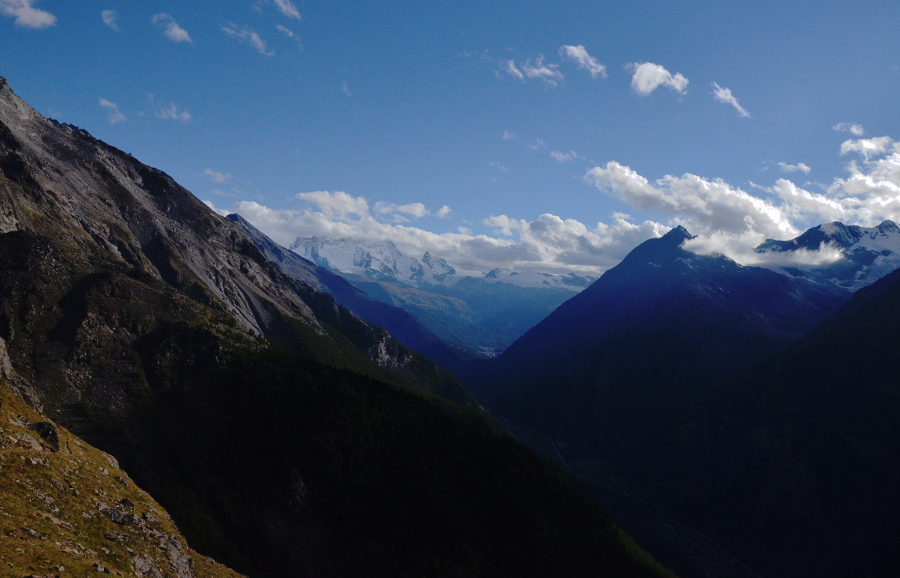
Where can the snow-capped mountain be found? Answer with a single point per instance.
(868, 253)
(383, 261)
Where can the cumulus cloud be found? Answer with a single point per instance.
(171, 29)
(731, 221)
(548, 243)
(217, 177)
(648, 77)
(703, 206)
(171, 111)
(444, 212)
(724, 95)
(868, 147)
(115, 115)
(584, 60)
(244, 34)
(346, 89)
(287, 8)
(26, 14)
(798, 168)
(109, 18)
(852, 128)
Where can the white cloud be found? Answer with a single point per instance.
(346, 89)
(397, 212)
(246, 35)
(338, 205)
(287, 31)
(854, 129)
(584, 60)
(564, 157)
(703, 206)
(444, 212)
(171, 112)
(217, 177)
(173, 31)
(499, 167)
(509, 136)
(732, 221)
(27, 15)
(509, 67)
(548, 243)
(287, 8)
(648, 77)
(548, 73)
(724, 95)
(798, 168)
(868, 147)
(109, 18)
(115, 115)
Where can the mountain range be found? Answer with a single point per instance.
(478, 314)
(866, 254)
(283, 434)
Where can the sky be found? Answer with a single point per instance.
(553, 136)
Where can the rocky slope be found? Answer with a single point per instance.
(284, 435)
(75, 204)
(67, 509)
(399, 323)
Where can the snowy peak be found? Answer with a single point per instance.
(382, 261)
(869, 253)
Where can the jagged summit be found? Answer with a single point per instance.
(868, 253)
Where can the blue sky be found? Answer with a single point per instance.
(530, 134)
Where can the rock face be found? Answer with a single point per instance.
(80, 220)
(657, 329)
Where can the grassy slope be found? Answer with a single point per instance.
(49, 497)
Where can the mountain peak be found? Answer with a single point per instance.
(679, 234)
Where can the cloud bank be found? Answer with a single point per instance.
(732, 221)
(726, 219)
(548, 243)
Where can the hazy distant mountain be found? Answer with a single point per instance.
(652, 332)
(381, 261)
(399, 323)
(477, 313)
(796, 464)
(868, 253)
